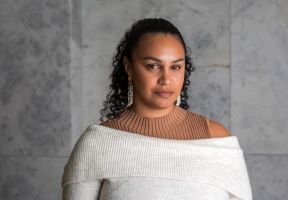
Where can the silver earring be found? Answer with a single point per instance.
(130, 92)
(178, 102)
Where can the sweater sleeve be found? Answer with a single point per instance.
(72, 188)
(89, 190)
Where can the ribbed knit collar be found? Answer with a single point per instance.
(146, 125)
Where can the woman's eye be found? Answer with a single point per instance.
(153, 66)
(176, 67)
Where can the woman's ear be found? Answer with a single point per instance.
(127, 66)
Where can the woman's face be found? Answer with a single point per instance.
(157, 70)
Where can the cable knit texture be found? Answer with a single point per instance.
(110, 164)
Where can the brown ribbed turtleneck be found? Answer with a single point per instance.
(178, 124)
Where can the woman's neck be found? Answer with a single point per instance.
(151, 112)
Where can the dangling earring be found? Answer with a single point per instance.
(178, 102)
(130, 92)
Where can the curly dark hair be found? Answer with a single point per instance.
(117, 99)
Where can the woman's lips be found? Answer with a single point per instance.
(164, 94)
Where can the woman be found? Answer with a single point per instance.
(150, 146)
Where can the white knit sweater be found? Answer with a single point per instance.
(109, 164)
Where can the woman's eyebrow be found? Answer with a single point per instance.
(152, 58)
(158, 60)
(179, 60)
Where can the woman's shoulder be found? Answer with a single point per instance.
(217, 129)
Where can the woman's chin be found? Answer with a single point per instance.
(164, 105)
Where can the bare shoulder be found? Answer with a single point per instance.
(218, 130)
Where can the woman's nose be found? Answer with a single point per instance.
(164, 78)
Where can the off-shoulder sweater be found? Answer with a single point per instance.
(109, 163)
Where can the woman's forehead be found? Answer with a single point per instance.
(158, 45)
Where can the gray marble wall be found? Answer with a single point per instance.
(259, 106)
(55, 62)
(35, 105)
